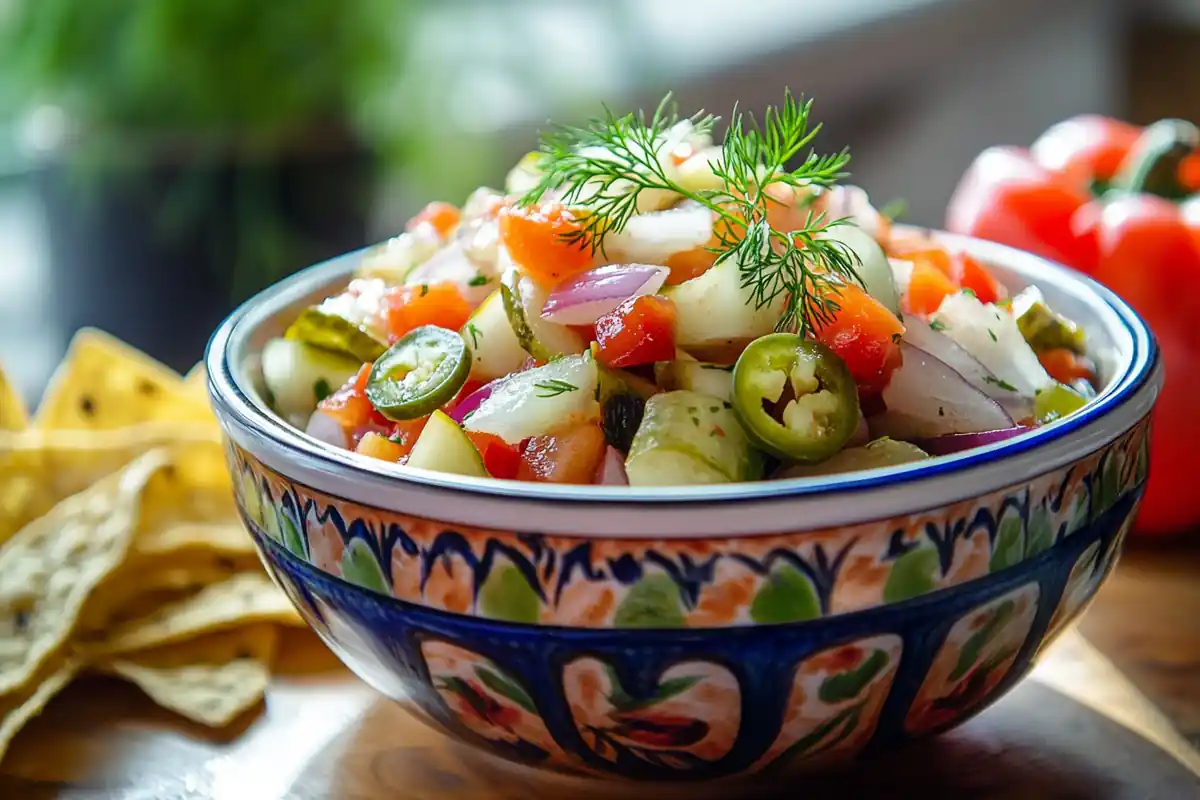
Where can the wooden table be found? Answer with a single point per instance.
(1077, 729)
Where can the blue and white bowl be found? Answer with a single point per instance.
(707, 632)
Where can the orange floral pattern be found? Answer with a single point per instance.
(734, 581)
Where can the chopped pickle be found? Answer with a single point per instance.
(334, 333)
(882, 452)
(1055, 402)
(1042, 327)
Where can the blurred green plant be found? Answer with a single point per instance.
(246, 72)
(203, 84)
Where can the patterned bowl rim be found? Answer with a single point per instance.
(625, 512)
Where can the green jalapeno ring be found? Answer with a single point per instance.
(418, 374)
(774, 363)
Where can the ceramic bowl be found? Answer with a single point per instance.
(707, 632)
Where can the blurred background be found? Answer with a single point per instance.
(160, 160)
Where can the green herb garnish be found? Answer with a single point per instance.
(602, 168)
(1003, 384)
(553, 388)
(474, 333)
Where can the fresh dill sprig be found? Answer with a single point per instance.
(600, 170)
(555, 387)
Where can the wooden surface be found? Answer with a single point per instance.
(1146, 620)
(1077, 729)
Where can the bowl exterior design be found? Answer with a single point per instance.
(704, 583)
(679, 659)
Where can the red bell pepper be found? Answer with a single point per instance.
(1095, 196)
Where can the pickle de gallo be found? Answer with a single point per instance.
(643, 305)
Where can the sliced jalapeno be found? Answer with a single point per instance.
(795, 397)
(419, 373)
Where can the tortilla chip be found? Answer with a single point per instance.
(195, 383)
(13, 416)
(41, 468)
(211, 679)
(223, 538)
(17, 708)
(52, 565)
(104, 383)
(244, 598)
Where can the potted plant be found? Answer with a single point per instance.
(190, 152)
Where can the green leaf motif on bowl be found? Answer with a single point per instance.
(1009, 547)
(913, 574)
(1041, 532)
(850, 684)
(787, 595)
(652, 602)
(360, 567)
(508, 596)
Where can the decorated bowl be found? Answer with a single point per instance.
(697, 632)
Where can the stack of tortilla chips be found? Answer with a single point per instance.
(121, 551)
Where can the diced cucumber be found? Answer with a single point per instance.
(524, 300)
(715, 308)
(495, 350)
(298, 376)
(695, 376)
(882, 452)
(689, 438)
(444, 447)
(871, 263)
(696, 173)
(537, 401)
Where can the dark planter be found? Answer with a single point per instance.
(159, 252)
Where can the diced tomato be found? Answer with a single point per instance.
(410, 307)
(500, 459)
(535, 237)
(351, 409)
(688, 264)
(376, 445)
(866, 336)
(927, 287)
(972, 275)
(570, 456)
(1065, 366)
(443, 217)
(640, 331)
(406, 432)
(920, 250)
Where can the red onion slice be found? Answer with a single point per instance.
(918, 334)
(472, 401)
(957, 442)
(583, 299)
(612, 469)
(927, 398)
(325, 428)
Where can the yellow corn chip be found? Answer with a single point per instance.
(40, 468)
(13, 416)
(195, 383)
(17, 708)
(104, 383)
(211, 679)
(223, 538)
(50, 567)
(244, 598)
